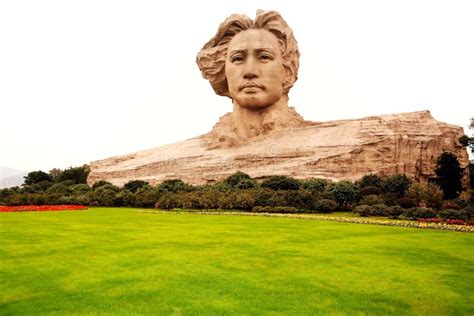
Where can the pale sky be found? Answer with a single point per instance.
(86, 80)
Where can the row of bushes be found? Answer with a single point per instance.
(372, 195)
(397, 211)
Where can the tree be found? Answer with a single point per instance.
(55, 174)
(234, 179)
(100, 183)
(429, 193)
(449, 175)
(105, 195)
(36, 177)
(135, 185)
(243, 200)
(467, 141)
(344, 193)
(60, 188)
(471, 174)
(80, 189)
(174, 185)
(75, 174)
(281, 183)
(464, 140)
(168, 201)
(246, 184)
(370, 180)
(397, 184)
(314, 184)
(146, 196)
(370, 184)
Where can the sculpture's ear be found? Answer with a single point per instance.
(288, 82)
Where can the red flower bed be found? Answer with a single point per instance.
(41, 208)
(449, 221)
(455, 222)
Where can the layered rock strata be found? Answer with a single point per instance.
(407, 143)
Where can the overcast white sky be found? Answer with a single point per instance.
(87, 80)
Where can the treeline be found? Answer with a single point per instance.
(372, 195)
(394, 196)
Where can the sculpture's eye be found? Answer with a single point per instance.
(237, 58)
(265, 57)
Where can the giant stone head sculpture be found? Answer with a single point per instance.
(254, 62)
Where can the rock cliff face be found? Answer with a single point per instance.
(407, 143)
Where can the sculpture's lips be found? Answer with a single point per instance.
(251, 85)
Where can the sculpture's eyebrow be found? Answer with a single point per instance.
(258, 50)
(237, 51)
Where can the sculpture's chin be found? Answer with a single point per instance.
(255, 103)
(254, 106)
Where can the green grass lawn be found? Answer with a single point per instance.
(119, 261)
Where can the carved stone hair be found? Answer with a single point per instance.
(211, 58)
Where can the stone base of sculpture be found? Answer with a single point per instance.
(407, 143)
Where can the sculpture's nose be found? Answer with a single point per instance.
(250, 69)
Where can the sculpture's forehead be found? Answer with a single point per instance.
(254, 39)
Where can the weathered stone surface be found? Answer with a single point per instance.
(406, 143)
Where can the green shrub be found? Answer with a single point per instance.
(302, 199)
(80, 189)
(379, 210)
(75, 174)
(453, 214)
(370, 190)
(190, 200)
(345, 194)
(371, 199)
(363, 210)
(100, 183)
(398, 184)
(174, 185)
(390, 198)
(450, 205)
(314, 185)
(246, 184)
(370, 180)
(82, 200)
(146, 196)
(243, 201)
(394, 211)
(67, 200)
(434, 196)
(420, 212)
(168, 201)
(407, 202)
(135, 185)
(237, 178)
(265, 197)
(127, 198)
(325, 206)
(470, 201)
(281, 183)
(60, 188)
(218, 187)
(469, 211)
(105, 195)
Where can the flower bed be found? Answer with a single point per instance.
(42, 208)
(358, 220)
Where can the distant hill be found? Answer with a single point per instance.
(10, 177)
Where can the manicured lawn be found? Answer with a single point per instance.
(119, 261)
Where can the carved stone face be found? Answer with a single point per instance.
(254, 69)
